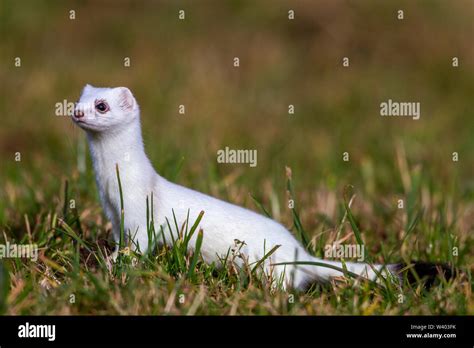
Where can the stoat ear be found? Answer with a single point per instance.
(125, 98)
(87, 88)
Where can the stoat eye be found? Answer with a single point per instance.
(102, 107)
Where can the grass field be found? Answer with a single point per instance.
(47, 198)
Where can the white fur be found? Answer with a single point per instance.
(115, 138)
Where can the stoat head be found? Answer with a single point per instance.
(102, 109)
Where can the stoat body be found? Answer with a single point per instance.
(111, 119)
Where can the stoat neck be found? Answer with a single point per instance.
(123, 146)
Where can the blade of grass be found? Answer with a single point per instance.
(260, 205)
(266, 256)
(197, 251)
(66, 198)
(122, 213)
(194, 227)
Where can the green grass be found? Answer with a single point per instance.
(47, 199)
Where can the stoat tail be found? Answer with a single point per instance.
(318, 270)
(427, 272)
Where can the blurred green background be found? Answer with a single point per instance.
(282, 62)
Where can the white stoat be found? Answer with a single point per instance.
(111, 119)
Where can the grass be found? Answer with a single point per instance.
(74, 273)
(48, 199)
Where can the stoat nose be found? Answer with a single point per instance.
(78, 114)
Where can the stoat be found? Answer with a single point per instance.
(111, 119)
